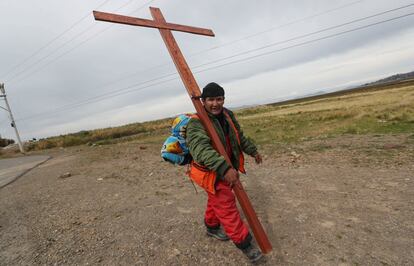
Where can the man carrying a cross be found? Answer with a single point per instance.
(214, 172)
(211, 171)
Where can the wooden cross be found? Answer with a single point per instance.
(193, 90)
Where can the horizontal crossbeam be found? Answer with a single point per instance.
(108, 17)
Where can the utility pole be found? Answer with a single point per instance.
(13, 123)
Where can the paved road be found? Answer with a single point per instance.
(11, 169)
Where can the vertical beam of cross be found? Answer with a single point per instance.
(194, 92)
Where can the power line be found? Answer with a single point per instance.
(107, 95)
(278, 27)
(166, 63)
(53, 40)
(307, 35)
(216, 47)
(122, 91)
(57, 49)
(273, 44)
(130, 88)
(191, 55)
(97, 99)
(10, 80)
(307, 42)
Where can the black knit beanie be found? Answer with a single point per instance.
(212, 90)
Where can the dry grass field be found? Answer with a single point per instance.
(376, 112)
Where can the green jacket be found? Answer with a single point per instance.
(201, 148)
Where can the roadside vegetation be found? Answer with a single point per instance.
(379, 110)
(103, 136)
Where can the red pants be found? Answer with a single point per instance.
(222, 210)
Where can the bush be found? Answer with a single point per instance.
(5, 142)
(71, 140)
(46, 144)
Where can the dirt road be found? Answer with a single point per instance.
(342, 201)
(13, 168)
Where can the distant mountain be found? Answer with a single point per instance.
(327, 92)
(235, 108)
(393, 78)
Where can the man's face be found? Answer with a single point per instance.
(214, 105)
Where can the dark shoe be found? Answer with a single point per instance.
(217, 233)
(252, 253)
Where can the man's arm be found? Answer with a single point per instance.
(201, 149)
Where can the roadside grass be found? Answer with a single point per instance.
(385, 111)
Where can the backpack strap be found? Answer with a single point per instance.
(241, 156)
(195, 116)
(229, 119)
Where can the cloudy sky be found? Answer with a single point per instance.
(65, 72)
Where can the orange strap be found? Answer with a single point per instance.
(230, 121)
(233, 126)
(241, 157)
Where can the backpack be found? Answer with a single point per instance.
(174, 149)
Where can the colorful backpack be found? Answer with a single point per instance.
(174, 149)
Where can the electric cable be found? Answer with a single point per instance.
(167, 63)
(280, 42)
(52, 41)
(191, 55)
(308, 42)
(307, 35)
(93, 100)
(272, 44)
(11, 79)
(107, 95)
(277, 27)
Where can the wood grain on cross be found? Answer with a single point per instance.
(193, 90)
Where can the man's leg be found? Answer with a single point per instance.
(225, 209)
(210, 218)
(224, 206)
(212, 222)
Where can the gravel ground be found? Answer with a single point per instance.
(341, 201)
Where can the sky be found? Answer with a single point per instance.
(64, 72)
